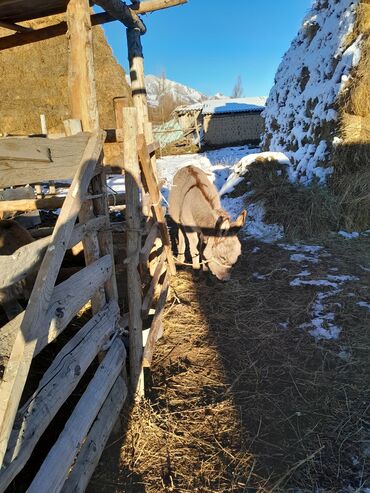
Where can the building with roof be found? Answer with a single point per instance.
(223, 122)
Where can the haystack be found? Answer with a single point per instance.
(318, 111)
(34, 81)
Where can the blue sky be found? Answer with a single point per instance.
(206, 44)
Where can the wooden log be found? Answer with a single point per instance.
(66, 300)
(26, 259)
(92, 448)
(54, 388)
(63, 453)
(153, 5)
(33, 36)
(15, 27)
(49, 203)
(156, 326)
(81, 75)
(152, 184)
(36, 316)
(120, 103)
(149, 296)
(137, 76)
(65, 157)
(148, 245)
(133, 217)
(105, 238)
(120, 11)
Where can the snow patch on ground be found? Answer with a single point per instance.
(364, 304)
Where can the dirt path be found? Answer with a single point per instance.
(260, 384)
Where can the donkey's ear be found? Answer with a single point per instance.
(222, 225)
(240, 221)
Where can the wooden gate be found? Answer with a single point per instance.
(84, 217)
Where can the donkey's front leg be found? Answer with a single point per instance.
(194, 252)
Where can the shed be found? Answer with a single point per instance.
(225, 121)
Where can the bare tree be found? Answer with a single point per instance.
(238, 91)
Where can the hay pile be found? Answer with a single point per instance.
(239, 403)
(351, 177)
(34, 81)
(321, 94)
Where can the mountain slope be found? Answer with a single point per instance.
(158, 87)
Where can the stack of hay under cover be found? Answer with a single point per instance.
(34, 81)
(318, 111)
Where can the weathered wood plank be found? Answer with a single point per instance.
(49, 203)
(26, 259)
(15, 150)
(57, 384)
(133, 217)
(93, 446)
(65, 154)
(63, 453)
(148, 299)
(81, 75)
(152, 184)
(67, 299)
(148, 245)
(37, 318)
(155, 329)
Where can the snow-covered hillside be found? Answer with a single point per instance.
(158, 87)
(301, 113)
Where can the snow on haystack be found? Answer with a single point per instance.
(241, 167)
(301, 117)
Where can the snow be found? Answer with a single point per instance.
(158, 87)
(241, 168)
(313, 249)
(347, 235)
(312, 75)
(364, 304)
(300, 257)
(228, 105)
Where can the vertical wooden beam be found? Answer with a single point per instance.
(133, 218)
(81, 76)
(136, 61)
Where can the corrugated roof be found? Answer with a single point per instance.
(227, 105)
(168, 132)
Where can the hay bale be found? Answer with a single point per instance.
(320, 104)
(37, 82)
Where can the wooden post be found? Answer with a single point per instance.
(120, 103)
(133, 218)
(136, 61)
(81, 77)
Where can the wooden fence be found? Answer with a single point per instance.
(148, 262)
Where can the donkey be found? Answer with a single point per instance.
(194, 204)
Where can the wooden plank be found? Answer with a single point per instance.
(26, 259)
(133, 217)
(67, 299)
(92, 448)
(152, 184)
(54, 388)
(49, 203)
(156, 326)
(105, 238)
(148, 299)
(37, 317)
(81, 76)
(55, 468)
(65, 153)
(154, 146)
(148, 245)
(16, 150)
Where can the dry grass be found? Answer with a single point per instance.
(238, 404)
(29, 89)
(303, 211)
(351, 179)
